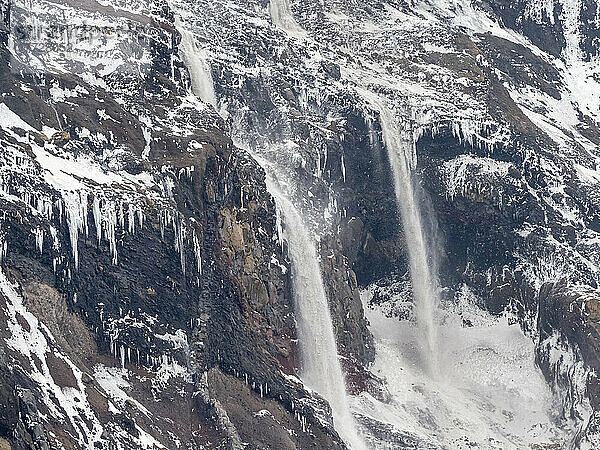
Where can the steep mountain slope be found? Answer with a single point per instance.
(506, 135)
(143, 242)
(146, 285)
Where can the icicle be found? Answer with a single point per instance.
(3, 249)
(179, 229)
(76, 208)
(109, 219)
(121, 216)
(140, 215)
(131, 219)
(97, 218)
(343, 169)
(197, 252)
(60, 206)
(162, 225)
(44, 207)
(39, 239)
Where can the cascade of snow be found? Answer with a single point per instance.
(401, 150)
(200, 74)
(570, 17)
(321, 370)
(282, 17)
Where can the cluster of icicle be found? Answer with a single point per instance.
(481, 134)
(83, 37)
(109, 216)
(173, 220)
(469, 175)
(128, 355)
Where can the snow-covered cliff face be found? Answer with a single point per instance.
(142, 278)
(145, 287)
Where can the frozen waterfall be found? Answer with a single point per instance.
(399, 142)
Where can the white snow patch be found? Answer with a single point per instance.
(492, 394)
(9, 119)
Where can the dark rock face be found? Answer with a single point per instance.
(590, 32)
(371, 227)
(569, 318)
(269, 424)
(543, 27)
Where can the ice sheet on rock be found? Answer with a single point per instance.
(559, 119)
(66, 173)
(571, 379)
(92, 33)
(59, 94)
(114, 381)
(472, 174)
(588, 176)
